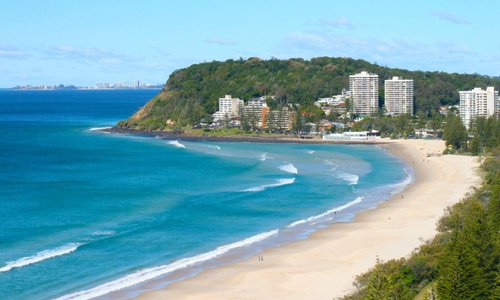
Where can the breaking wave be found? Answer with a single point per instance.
(176, 144)
(400, 186)
(289, 168)
(40, 256)
(104, 233)
(279, 182)
(352, 179)
(327, 213)
(150, 273)
(99, 128)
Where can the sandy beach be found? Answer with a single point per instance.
(325, 265)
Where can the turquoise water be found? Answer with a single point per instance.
(85, 213)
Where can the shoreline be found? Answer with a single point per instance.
(234, 138)
(325, 264)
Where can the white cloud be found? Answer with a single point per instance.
(85, 55)
(162, 53)
(342, 22)
(220, 41)
(309, 41)
(11, 52)
(446, 16)
(403, 53)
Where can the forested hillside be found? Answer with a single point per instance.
(192, 93)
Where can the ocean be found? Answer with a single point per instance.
(87, 214)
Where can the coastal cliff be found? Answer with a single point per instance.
(191, 94)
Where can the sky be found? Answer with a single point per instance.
(62, 42)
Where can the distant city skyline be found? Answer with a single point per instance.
(97, 85)
(56, 42)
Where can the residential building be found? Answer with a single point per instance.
(478, 103)
(364, 93)
(254, 114)
(325, 125)
(279, 120)
(445, 109)
(329, 101)
(335, 103)
(228, 108)
(333, 100)
(398, 96)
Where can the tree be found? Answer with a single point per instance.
(467, 267)
(455, 133)
(227, 121)
(390, 280)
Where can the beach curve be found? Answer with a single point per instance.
(325, 265)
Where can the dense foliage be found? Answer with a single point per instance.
(461, 262)
(482, 136)
(192, 93)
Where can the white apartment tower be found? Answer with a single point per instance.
(228, 108)
(478, 103)
(364, 93)
(398, 96)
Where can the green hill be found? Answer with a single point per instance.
(192, 93)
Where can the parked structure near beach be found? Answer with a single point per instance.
(364, 93)
(352, 136)
(478, 103)
(398, 96)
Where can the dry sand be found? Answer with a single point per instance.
(325, 265)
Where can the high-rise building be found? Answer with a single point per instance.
(364, 93)
(398, 96)
(228, 108)
(478, 103)
(279, 120)
(254, 114)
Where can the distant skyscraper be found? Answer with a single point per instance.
(364, 93)
(398, 96)
(478, 103)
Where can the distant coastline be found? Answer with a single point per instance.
(79, 89)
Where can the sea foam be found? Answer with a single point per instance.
(263, 157)
(352, 179)
(99, 128)
(150, 273)
(279, 182)
(104, 233)
(289, 168)
(400, 186)
(328, 212)
(176, 144)
(40, 256)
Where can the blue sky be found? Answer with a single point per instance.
(52, 42)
